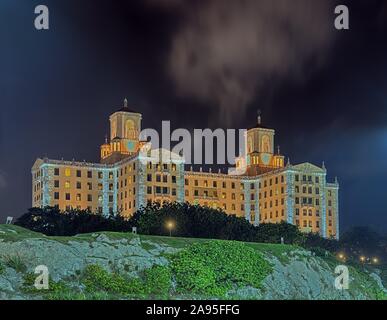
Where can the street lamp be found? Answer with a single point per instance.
(375, 260)
(170, 226)
(341, 256)
(362, 259)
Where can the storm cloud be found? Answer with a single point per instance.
(226, 52)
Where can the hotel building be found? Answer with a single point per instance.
(268, 191)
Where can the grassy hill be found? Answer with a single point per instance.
(110, 265)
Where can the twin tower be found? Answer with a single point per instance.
(125, 128)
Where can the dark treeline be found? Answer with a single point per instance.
(193, 221)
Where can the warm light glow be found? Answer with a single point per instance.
(341, 256)
(375, 260)
(362, 258)
(170, 225)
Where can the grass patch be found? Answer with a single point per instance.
(15, 261)
(154, 283)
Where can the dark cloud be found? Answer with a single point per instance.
(226, 51)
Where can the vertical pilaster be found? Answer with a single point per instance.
(257, 213)
(246, 189)
(141, 183)
(337, 212)
(323, 200)
(46, 181)
(115, 191)
(289, 196)
(105, 193)
(180, 182)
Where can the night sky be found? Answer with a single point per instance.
(200, 64)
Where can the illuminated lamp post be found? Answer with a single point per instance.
(170, 226)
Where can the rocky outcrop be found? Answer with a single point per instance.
(297, 274)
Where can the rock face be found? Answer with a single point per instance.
(297, 274)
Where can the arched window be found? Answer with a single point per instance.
(265, 144)
(250, 145)
(130, 130)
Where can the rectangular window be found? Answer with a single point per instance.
(149, 190)
(90, 174)
(56, 171)
(78, 197)
(56, 183)
(173, 179)
(56, 195)
(165, 178)
(173, 191)
(68, 196)
(79, 186)
(79, 173)
(89, 197)
(67, 172)
(149, 177)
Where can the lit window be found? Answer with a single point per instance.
(67, 184)
(67, 172)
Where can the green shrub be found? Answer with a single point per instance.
(212, 268)
(56, 290)
(158, 280)
(15, 262)
(2, 268)
(319, 252)
(97, 279)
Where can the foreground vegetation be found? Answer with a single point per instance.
(184, 268)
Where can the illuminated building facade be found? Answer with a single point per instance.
(126, 179)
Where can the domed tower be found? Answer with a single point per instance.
(125, 127)
(261, 156)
